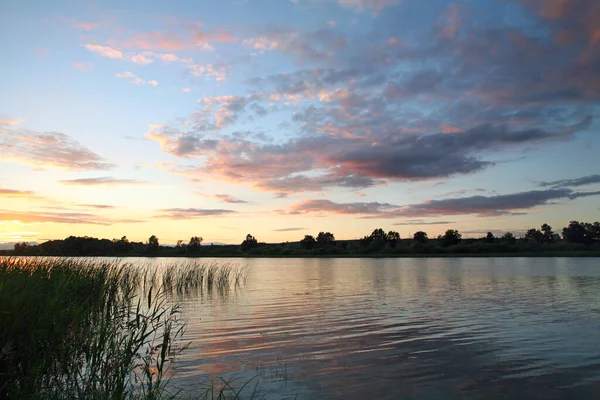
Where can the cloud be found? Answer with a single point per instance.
(486, 206)
(86, 26)
(134, 78)
(104, 51)
(584, 180)
(97, 206)
(314, 163)
(16, 193)
(219, 72)
(148, 57)
(48, 149)
(302, 183)
(179, 36)
(450, 98)
(10, 121)
(153, 83)
(104, 180)
(33, 217)
(363, 5)
(483, 206)
(83, 66)
(315, 46)
(422, 222)
(156, 41)
(289, 229)
(324, 207)
(141, 59)
(186, 213)
(229, 199)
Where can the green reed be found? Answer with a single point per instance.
(94, 329)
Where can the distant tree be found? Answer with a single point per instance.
(578, 232)
(179, 244)
(325, 238)
(535, 235)
(509, 238)
(451, 237)
(379, 234)
(122, 245)
(195, 242)
(489, 238)
(393, 237)
(378, 238)
(308, 242)
(249, 243)
(420, 237)
(21, 248)
(547, 234)
(377, 243)
(153, 242)
(593, 230)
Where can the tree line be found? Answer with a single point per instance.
(576, 237)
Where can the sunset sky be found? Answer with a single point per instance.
(284, 118)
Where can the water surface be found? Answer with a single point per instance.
(474, 328)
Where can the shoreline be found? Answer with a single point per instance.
(548, 254)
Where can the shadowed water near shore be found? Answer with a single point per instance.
(401, 328)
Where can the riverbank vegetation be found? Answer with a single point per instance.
(94, 329)
(575, 239)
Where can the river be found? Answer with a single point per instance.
(421, 328)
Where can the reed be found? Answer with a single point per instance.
(94, 329)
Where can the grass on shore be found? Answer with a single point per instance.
(94, 329)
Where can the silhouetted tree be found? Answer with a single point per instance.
(194, 245)
(379, 236)
(195, 242)
(420, 237)
(179, 244)
(585, 233)
(593, 230)
(249, 243)
(122, 245)
(547, 234)
(21, 248)
(451, 237)
(489, 238)
(534, 234)
(509, 238)
(393, 237)
(308, 242)
(153, 242)
(325, 238)
(379, 233)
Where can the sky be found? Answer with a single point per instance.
(285, 118)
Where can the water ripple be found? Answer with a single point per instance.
(404, 328)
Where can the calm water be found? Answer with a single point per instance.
(474, 328)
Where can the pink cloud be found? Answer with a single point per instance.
(156, 41)
(133, 77)
(104, 51)
(141, 59)
(86, 26)
(48, 149)
(10, 121)
(16, 193)
(83, 66)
